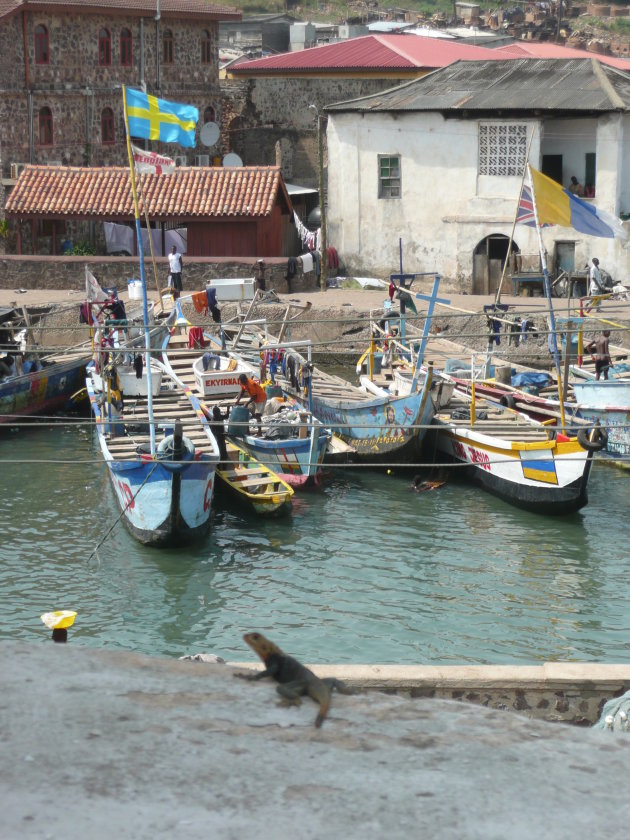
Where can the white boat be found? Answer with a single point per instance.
(516, 458)
(222, 381)
(130, 384)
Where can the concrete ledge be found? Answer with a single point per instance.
(572, 692)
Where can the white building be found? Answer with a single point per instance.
(437, 162)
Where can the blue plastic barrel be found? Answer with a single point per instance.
(239, 421)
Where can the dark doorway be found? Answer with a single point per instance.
(552, 167)
(488, 260)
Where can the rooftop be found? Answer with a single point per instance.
(168, 8)
(105, 192)
(575, 86)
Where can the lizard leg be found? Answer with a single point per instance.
(290, 692)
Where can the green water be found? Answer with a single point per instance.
(365, 570)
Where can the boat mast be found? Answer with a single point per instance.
(552, 317)
(145, 308)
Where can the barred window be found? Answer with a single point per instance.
(502, 148)
(389, 176)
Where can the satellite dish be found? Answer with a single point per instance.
(209, 133)
(232, 159)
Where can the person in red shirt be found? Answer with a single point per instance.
(257, 398)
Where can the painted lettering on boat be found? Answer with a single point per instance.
(469, 453)
(207, 498)
(213, 383)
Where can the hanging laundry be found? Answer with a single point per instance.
(200, 302)
(307, 263)
(333, 257)
(317, 261)
(138, 364)
(196, 340)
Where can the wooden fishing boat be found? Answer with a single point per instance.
(520, 460)
(165, 498)
(293, 449)
(36, 385)
(252, 484)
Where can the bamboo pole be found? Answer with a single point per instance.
(146, 217)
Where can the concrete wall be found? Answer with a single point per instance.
(69, 272)
(572, 139)
(445, 208)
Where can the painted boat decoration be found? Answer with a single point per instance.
(35, 386)
(252, 484)
(607, 403)
(165, 499)
(514, 457)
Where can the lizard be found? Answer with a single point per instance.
(295, 679)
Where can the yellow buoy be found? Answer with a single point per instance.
(59, 620)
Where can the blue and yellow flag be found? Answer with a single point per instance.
(157, 119)
(557, 206)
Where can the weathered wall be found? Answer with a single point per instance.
(277, 109)
(69, 272)
(446, 208)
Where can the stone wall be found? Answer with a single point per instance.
(269, 110)
(77, 89)
(69, 272)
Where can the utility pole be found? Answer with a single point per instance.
(322, 202)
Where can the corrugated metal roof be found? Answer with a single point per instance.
(574, 85)
(105, 192)
(368, 52)
(168, 8)
(545, 49)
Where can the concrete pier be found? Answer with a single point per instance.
(98, 744)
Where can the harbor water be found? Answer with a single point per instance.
(363, 571)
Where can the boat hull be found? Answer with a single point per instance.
(550, 481)
(380, 427)
(42, 391)
(290, 458)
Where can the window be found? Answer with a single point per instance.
(209, 115)
(107, 126)
(389, 176)
(104, 48)
(206, 47)
(41, 45)
(502, 148)
(45, 127)
(167, 47)
(126, 59)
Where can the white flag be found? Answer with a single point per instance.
(150, 163)
(93, 291)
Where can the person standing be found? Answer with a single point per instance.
(600, 353)
(257, 398)
(175, 264)
(259, 276)
(596, 285)
(575, 187)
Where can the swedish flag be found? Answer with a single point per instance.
(157, 119)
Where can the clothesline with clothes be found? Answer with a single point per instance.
(311, 239)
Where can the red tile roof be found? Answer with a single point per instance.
(544, 49)
(105, 192)
(405, 53)
(184, 9)
(369, 52)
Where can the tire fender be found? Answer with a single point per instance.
(508, 401)
(593, 440)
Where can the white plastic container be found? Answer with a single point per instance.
(135, 289)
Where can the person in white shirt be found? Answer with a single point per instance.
(596, 285)
(175, 264)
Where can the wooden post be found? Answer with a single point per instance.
(322, 204)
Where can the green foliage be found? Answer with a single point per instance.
(4, 229)
(82, 249)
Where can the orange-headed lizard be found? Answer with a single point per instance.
(295, 679)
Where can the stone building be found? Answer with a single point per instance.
(62, 66)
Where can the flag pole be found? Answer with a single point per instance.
(497, 299)
(552, 317)
(150, 235)
(143, 279)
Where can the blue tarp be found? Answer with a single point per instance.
(537, 380)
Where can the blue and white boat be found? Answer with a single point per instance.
(608, 404)
(165, 498)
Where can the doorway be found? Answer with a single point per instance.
(489, 258)
(552, 167)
